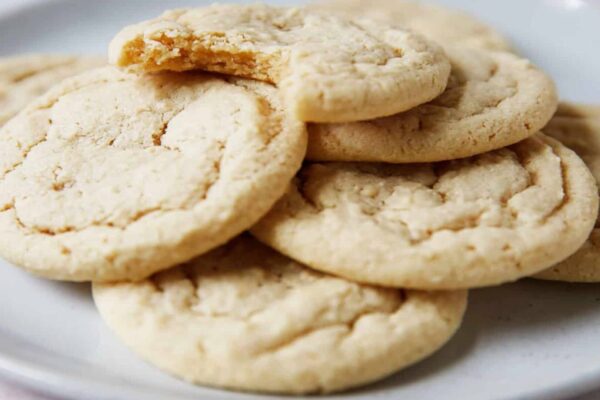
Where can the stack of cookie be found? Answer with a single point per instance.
(384, 159)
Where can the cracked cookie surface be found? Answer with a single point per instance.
(23, 78)
(577, 126)
(113, 176)
(473, 222)
(245, 317)
(440, 24)
(492, 100)
(328, 68)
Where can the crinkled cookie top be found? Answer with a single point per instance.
(577, 126)
(330, 69)
(23, 78)
(246, 317)
(472, 222)
(113, 176)
(492, 100)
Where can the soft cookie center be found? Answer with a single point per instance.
(112, 157)
(503, 189)
(210, 52)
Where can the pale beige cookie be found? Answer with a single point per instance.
(328, 69)
(473, 222)
(23, 78)
(113, 176)
(440, 24)
(493, 99)
(578, 127)
(248, 318)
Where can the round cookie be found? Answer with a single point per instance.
(578, 127)
(23, 78)
(474, 222)
(328, 68)
(493, 99)
(246, 317)
(113, 176)
(440, 24)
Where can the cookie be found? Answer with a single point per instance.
(493, 100)
(246, 317)
(474, 222)
(113, 176)
(329, 69)
(440, 24)
(23, 78)
(577, 126)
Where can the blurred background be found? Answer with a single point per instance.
(86, 26)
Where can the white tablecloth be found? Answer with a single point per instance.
(10, 391)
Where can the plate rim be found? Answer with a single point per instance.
(70, 387)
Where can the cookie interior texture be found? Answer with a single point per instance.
(24, 78)
(114, 176)
(246, 317)
(312, 57)
(577, 126)
(440, 24)
(493, 99)
(472, 222)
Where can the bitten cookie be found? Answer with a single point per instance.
(113, 176)
(23, 78)
(578, 127)
(473, 222)
(245, 317)
(328, 68)
(493, 100)
(440, 24)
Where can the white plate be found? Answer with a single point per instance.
(530, 340)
